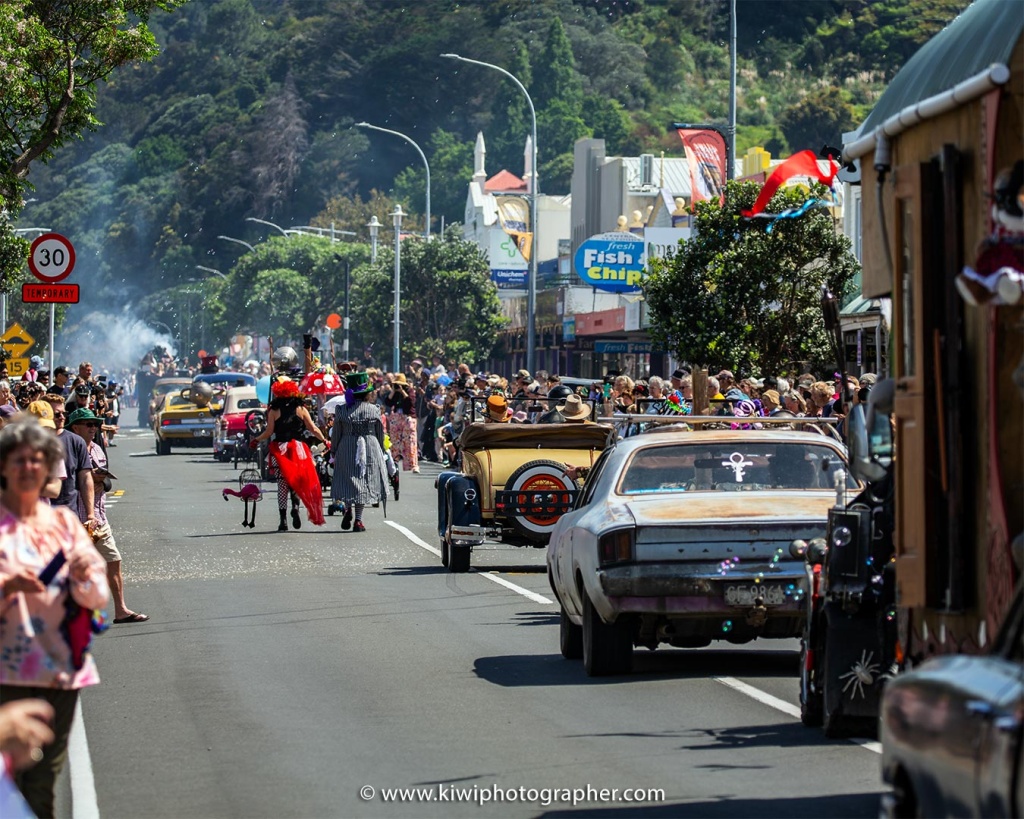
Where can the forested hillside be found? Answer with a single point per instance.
(248, 110)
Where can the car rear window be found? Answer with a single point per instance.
(735, 466)
(249, 403)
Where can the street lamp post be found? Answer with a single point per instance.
(265, 222)
(320, 231)
(426, 232)
(238, 242)
(531, 284)
(396, 357)
(374, 226)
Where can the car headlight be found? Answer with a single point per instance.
(616, 547)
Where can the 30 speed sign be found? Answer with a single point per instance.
(52, 258)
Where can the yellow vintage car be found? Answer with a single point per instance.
(161, 389)
(513, 486)
(185, 418)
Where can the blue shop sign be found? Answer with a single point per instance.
(612, 261)
(509, 279)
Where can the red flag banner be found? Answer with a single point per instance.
(706, 155)
(804, 163)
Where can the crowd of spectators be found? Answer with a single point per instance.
(427, 405)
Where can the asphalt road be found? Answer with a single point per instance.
(280, 674)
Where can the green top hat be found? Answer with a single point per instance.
(358, 382)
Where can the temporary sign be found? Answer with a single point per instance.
(51, 258)
(49, 293)
(612, 261)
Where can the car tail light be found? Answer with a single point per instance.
(166, 422)
(615, 547)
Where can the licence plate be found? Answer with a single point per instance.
(745, 595)
(202, 433)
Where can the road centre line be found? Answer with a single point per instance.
(501, 581)
(84, 804)
(786, 708)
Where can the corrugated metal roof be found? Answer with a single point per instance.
(984, 34)
(677, 174)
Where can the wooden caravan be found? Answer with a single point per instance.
(930, 154)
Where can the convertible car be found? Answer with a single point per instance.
(513, 486)
(682, 536)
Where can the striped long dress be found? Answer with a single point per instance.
(358, 431)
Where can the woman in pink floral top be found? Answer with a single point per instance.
(44, 629)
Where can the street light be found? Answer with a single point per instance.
(397, 218)
(374, 225)
(531, 284)
(320, 230)
(211, 270)
(237, 242)
(426, 233)
(265, 222)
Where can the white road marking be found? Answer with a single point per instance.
(761, 696)
(501, 581)
(786, 708)
(414, 537)
(83, 787)
(529, 595)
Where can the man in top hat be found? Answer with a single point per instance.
(360, 467)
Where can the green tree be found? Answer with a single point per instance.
(555, 76)
(818, 119)
(286, 286)
(739, 296)
(449, 303)
(54, 55)
(353, 214)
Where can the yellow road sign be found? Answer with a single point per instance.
(17, 367)
(17, 342)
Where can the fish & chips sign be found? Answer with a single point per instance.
(612, 261)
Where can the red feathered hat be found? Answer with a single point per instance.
(284, 388)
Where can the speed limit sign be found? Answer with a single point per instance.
(51, 258)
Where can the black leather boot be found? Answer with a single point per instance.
(284, 521)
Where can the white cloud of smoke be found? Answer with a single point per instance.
(110, 341)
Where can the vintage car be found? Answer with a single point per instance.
(161, 389)
(682, 536)
(230, 421)
(513, 485)
(952, 731)
(186, 418)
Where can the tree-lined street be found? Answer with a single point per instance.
(280, 674)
